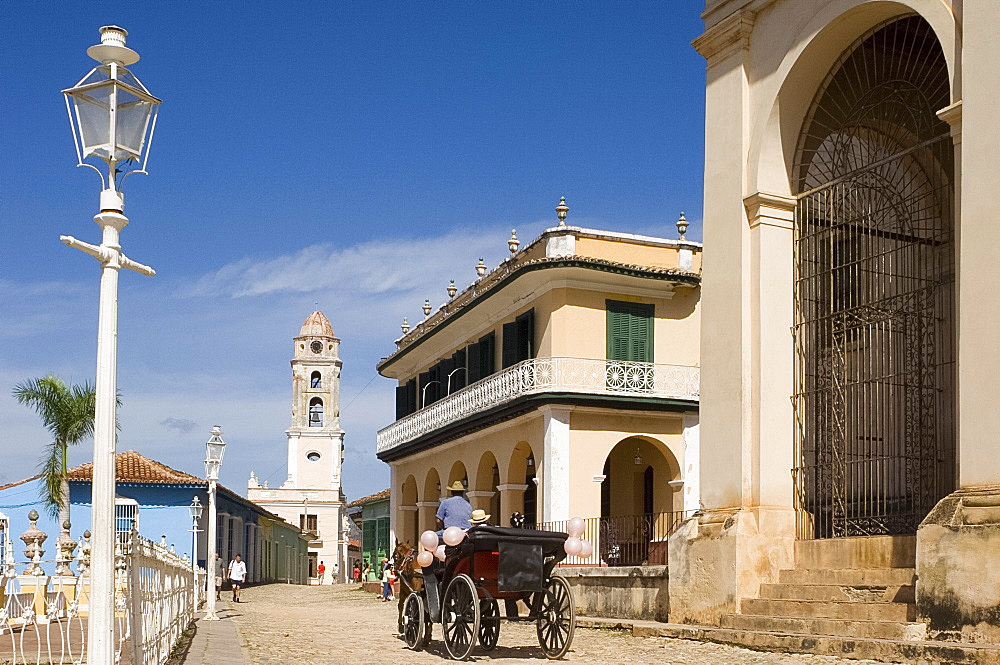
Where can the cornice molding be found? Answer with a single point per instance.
(769, 210)
(725, 37)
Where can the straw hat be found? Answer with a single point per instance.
(457, 486)
(479, 517)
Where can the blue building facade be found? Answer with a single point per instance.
(158, 497)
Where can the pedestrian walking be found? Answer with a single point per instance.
(237, 575)
(219, 575)
(366, 573)
(320, 571)
(387, 580)
(357, 573)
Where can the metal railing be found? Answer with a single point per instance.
(541, 375)
(626, 540)
(43, 617)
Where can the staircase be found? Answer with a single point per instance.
(850, 587)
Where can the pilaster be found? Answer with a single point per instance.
(555, 469)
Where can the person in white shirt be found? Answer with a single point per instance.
(237, 574)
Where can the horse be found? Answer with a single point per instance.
(404, 558)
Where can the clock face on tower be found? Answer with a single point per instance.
(316, 346)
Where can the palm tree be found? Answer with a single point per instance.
(68, 414)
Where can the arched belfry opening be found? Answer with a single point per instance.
(874, 261)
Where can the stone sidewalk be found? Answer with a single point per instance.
(213, 642)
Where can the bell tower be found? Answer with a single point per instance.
(315, 440)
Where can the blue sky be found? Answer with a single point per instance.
(354, 155)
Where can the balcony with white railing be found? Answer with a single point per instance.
(546, 375)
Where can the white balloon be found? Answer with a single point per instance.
(453, 535)
(576, 527)
(439, 552)
(572, 546)
(425, 559)
(429, 540)
(586, 548)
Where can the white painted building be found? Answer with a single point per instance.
(311, 496)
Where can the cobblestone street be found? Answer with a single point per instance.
(319, 625)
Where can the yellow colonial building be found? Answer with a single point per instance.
(565, 382)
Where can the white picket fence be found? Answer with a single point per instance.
(43, 617)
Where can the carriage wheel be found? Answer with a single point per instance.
(460, 616)
(556, 620)
(489, 623)
(414, 622)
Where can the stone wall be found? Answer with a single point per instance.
(629, 592)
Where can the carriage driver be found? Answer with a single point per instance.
(455, 510)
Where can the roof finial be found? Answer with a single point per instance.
(452, 289)
(480, 267)
(682, 225)
(405, 326)
(561, 210)
(427, 307)
(513, 243)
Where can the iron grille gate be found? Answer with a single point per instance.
(874, 348)
(874, 291)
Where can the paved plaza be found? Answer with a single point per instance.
(278, 624)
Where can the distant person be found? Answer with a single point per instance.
(455, 510)
(320, 571)
(357, 573)
(237, 575)
(366, 573)
(388, 577)
(220, 574)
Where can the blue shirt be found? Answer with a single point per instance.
(455, 511)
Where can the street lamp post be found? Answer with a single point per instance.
(196, 509)
(112, 116)
(453, 372)
(215, 448)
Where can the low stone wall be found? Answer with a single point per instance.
(629, 592)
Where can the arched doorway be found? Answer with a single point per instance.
(486, 494)
(521, 473)
(639, 505)
(430, 498)
(409, 528)
(874, 261)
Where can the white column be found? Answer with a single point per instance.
(691, 472)
(101, 646)
(293, 459)
(555, 471)
(210, 557)
(394, 526)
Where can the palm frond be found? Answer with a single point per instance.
(51, 469)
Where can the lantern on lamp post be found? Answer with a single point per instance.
(215, 448)
(112, 116)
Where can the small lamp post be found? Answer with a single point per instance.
(196, 509)
(215, 448)
(112, 116)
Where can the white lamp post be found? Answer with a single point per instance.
(196, 509)
(215, 448)
(112, 116)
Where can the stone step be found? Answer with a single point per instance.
(856, 594)
(830, 609)
(919, 652)
(890, 630)
(849, 576)
(862, 552)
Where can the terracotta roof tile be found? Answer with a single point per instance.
(20, 482)
(384, 494)
(131, 467)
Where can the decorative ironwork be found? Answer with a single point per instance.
(624, 540)
(540, 375)
(874, 290)
(43, 616)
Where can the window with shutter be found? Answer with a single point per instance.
(509, 344)
(422, 380)
(630, 331)
(402, 403)
(487, 354)
(475, 370)
(526, 335)
(460, 375)
(411, 396)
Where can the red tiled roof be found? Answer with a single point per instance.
(20, 482)
(384, 494)
(131, 467)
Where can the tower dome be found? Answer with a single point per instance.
(316, 325)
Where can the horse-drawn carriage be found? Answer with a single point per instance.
(491, 564)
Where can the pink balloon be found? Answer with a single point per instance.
(586, 548)
(572, 546)
(425, 559)
(453, 535)
(429, 540)
(439, 552)
(576, 527)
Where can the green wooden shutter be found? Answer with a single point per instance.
(487, 354)
(475, 367)
(629, 331)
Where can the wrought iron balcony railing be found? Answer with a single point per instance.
(544, 375)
